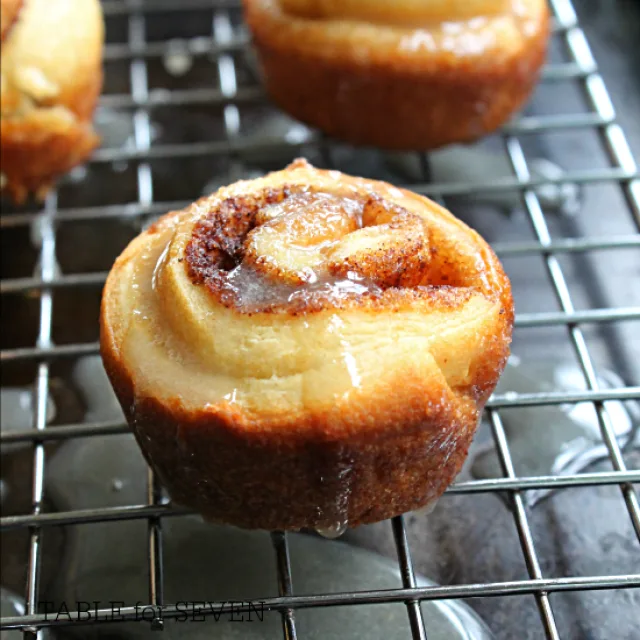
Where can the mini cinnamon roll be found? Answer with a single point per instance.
(51, 77)
(306, 349)
(408, 74)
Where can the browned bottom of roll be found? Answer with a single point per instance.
(395, 111)
(231, 471)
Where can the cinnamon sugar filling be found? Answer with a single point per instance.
(299, 250)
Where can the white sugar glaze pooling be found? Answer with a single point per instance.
(252, 289)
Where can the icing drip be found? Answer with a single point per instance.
(334, 531)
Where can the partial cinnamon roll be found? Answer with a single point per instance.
(51, 77)
(306, 349)
(408, 74)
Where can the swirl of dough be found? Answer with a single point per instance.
(311, 320)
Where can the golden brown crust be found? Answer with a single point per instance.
(400, 88)
(296, 441)
(9, 10)
(51, 81)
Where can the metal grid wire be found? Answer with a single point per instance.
(222, 44)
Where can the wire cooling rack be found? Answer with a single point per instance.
(131, 55)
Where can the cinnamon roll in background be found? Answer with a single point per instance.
(408, 74)
(51, 77)
(306, 349)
